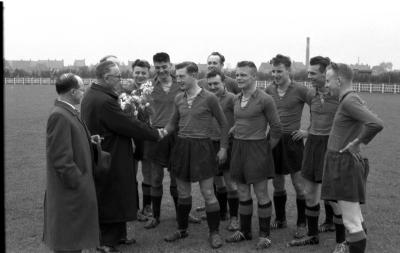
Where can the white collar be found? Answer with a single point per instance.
(63, 101)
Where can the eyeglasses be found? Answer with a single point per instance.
(116, 76)
(81, 89)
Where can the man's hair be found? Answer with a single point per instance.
(66, 82)
(103, 68)
(141, 63)
(249, 64)
(281, 59)
(215, 73)
(342, 70)
(105, 58)
(161, 57)
(221, 57)
(191, 67)
(323, 62)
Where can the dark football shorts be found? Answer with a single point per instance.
(345, 177)
(251, 161)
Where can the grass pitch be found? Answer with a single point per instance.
(26, 111)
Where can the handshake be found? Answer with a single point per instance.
(96, 139)
(162, 133)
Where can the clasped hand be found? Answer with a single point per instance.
(299, 134)
(96, 139)
(222, 156)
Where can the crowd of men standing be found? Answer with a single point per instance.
(225, 134)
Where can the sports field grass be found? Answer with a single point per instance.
(26, 111)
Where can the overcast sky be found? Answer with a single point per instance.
(190, 30)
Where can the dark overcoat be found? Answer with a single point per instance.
(117, 191)
(70, 206)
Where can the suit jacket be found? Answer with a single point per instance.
(70, 206)
(117, 191)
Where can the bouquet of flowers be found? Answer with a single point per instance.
(137, 103)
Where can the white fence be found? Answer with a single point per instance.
(360, 87)
(41, 81)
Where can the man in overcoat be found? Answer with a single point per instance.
(116, 191)
(70, 206)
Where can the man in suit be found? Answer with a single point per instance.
(115, 191)
(70, 206)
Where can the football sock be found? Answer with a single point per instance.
(156, 196)
(340, 229)
(213, 216)
(222, 197)
(301, 210)
(279, 204)
(357, 242)
(174, 194)
(245, 212)
(146, 200)
(264, 218)
(312, 214)
(328, 212)
(233, 201)
(183, 210)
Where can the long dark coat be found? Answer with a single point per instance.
(117, 191)
(70, 206)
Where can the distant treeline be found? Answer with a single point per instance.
(86, 72)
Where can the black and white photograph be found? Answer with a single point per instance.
(201, 126)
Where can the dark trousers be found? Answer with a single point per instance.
(112, 233)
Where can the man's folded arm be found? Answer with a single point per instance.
(117, 121)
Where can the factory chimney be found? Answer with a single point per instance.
(308, 53)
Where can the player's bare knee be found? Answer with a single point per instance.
(309, 196)
(311, 199)
(231, 186)
(299, 185)
(208, 195)
(308, 189)
(184, 190)
(352, 223)
(262, 196)
(243, 194)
